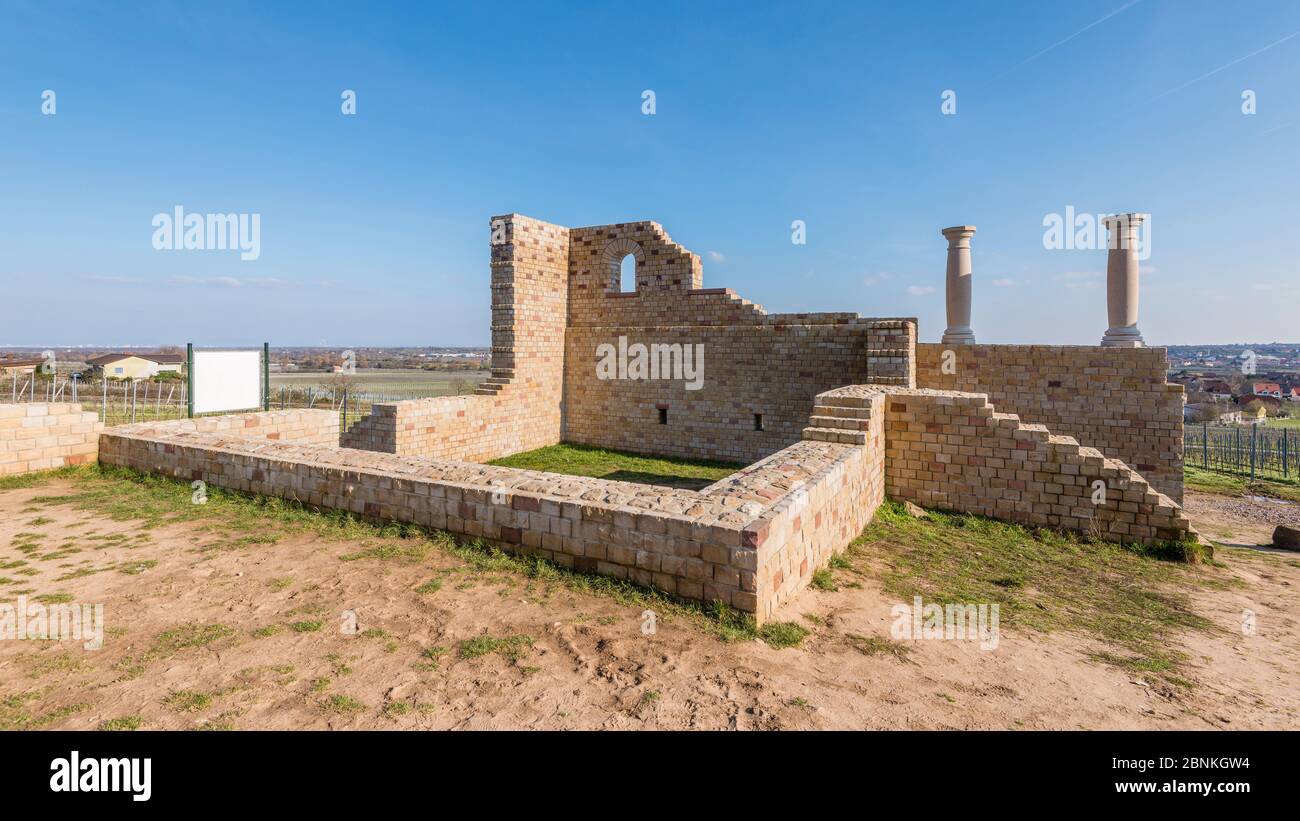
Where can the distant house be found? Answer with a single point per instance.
(1294, 395)
(1270, 404)
(20, 367)
(136, 365)
(1272, 389)
(1256, 416)
(1218, 388)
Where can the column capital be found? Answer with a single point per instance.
(1132, 219)
(958, 232)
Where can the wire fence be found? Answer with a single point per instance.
(1256, 451)
(125, 402)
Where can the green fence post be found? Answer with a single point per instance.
(189, 380)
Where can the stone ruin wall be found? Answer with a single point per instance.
(1113, 399)
(761, 371)
(519, 407)
(750, 540)
(44, 436)
(843, 419)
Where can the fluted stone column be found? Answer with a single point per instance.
(1122, 281)
(958, 285)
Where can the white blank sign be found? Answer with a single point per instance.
(227, 381)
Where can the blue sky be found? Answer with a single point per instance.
(374, 227)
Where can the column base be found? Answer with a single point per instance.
(958, 336)
(1123, 338)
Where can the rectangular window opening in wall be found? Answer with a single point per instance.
(663, 416)
(758, 421)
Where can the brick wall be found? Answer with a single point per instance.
(785, 515)
(519, 407)
(300, 425)
(43, 436)
(1113, 399)
(956, 451)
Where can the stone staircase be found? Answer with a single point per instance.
(495, 383)
(844, 416)
(844, 425)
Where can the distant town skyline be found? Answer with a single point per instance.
(362, 156)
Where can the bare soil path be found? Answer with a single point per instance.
(206, 631)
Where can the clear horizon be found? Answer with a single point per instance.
(372, 228)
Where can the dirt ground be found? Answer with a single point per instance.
(1239, 521)
(251, 637)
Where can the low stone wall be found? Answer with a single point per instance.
(300, 426)
(785, 515)
(43, 436)
(473, 428)
(1112, 399)
(955, 451)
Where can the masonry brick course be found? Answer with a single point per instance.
(851, 410)
(46, 435)
(1113, 399)
(749, 541)
(956, 451)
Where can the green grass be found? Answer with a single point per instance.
(188, 701)
(431, 586)
(824, 579)
(124, 723)
(170, 642)
(879, 646)
(1225, 484)
(1132, 599)
(341, 704)
(782, 634)
(14, 713)
(511, 647)
(306, 626)
(580, 460)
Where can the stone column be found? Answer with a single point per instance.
(1122, 281)
(958, 286)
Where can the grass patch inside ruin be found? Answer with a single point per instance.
(580, 460)
(1132, 600)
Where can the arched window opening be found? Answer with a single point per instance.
(627, 274)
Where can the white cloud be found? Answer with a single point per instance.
(113, 280)
(875, 279)
(1004, 283)
(920, 290)
(1080, 279)
(225, 282)
(714, 256)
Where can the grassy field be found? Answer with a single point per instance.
(435, 383)
(1225, 484)
(579, 460)
(1132, 600)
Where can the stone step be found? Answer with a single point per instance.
(842, 411)
(840, 437)
(838, 423)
